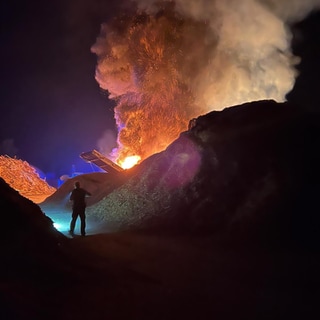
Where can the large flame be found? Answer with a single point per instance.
(171, 61)
(129, 162)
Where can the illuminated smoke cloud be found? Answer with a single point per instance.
(171, 61)
(107, 142)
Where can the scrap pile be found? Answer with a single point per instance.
(21, 176)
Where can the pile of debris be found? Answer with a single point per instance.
(251, 170)
(21, 176)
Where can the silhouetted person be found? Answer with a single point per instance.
(78, 196)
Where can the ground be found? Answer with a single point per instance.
(151, 275)
(61, 218)
(240, 241)
(135, 275)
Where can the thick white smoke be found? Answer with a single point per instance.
(253, 58)
(170, 61)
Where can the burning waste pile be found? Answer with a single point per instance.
(250, 166)
(182, 73)
(166, 62)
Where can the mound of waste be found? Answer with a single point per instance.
(99, 184)
(252, 167)
(21, 176)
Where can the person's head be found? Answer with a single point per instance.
(77, 184)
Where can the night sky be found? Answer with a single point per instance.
(52, 108)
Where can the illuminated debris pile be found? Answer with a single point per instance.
(24, 178)
(99, 184)
(236, 168)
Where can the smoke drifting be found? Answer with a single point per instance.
(170, 61)
(107, 142)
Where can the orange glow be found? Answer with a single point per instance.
(21, 176)
(176, 61)
(145, 69)
(129, 162)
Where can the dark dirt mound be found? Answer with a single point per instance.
(30, 252)
(250, 169)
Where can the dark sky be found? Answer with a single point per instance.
(306, 45)
(51, 106)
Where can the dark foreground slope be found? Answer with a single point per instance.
(30, 253)
(224, 224)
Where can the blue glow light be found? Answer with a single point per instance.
(58, 226)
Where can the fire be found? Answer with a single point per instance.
(129, 162)
(171, 61)
(143, 66)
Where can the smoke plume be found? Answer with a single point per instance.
(170, 61)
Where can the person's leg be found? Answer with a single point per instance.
(83, 223)
(73, 221)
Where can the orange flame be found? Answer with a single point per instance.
(129, 162)
(180, 59)
(143, 65)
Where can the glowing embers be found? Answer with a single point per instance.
(180, 59)
(144, 64)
